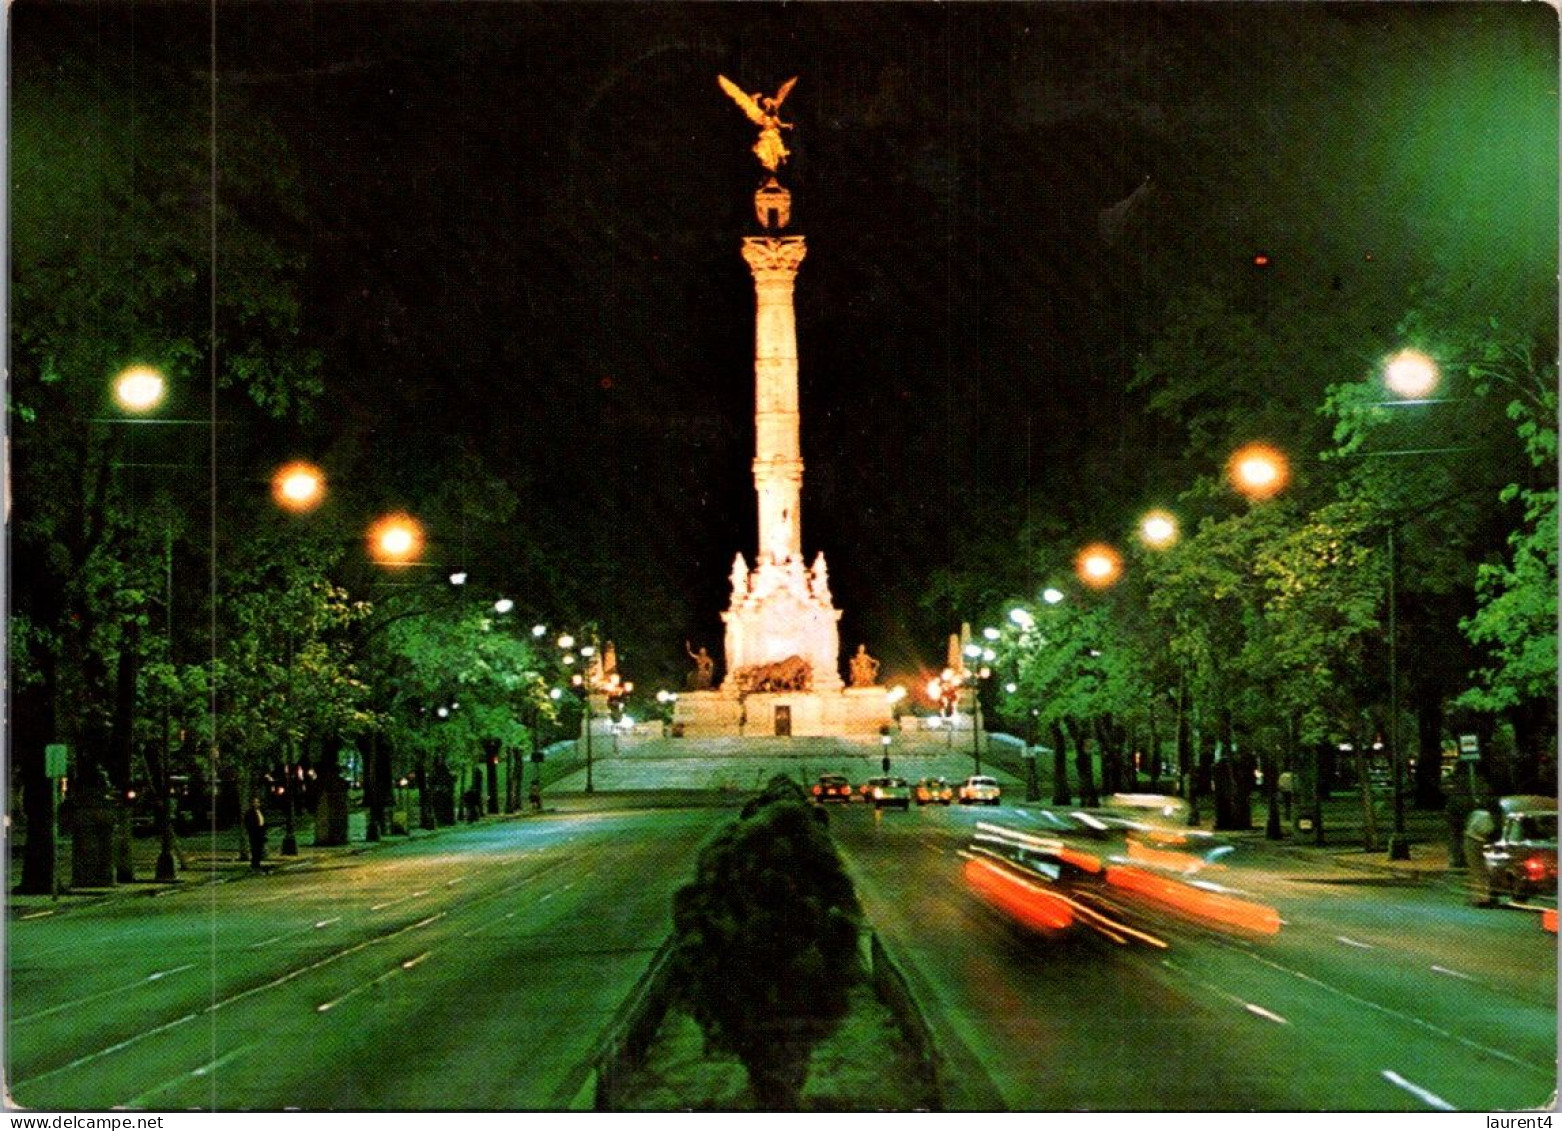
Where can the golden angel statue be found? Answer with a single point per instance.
(764, 112)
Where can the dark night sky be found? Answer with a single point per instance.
(523, 221)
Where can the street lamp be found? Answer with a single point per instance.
(1098, 566)
(1410, 375)
(395, 540)
(298, 486)
(139, 388)
(1158, 529)
(1258, 471)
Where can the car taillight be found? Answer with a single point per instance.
(816, 791)
(1536, 867)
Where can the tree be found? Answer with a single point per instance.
(113, 227)
(1516, 622)
(766, 940)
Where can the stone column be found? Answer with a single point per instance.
(778, 463)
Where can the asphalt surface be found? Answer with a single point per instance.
(473, 970)
(1378, 992)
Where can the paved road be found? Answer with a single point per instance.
(1377, 993)
(474, 970)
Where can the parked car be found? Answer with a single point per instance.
(832, 787)
(887, 792)
(980, 790)
(1512, 851)
(934, 791)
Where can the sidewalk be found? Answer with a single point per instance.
(205, 859)
(1426, 833)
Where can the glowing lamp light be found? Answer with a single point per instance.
(539, 630)
(1158, 529)
(1410, 374)
(1022, 619)
(139, 388)
(990, 634)
(566, 642)
(503, 605)
(1098, 565)
(298, 486)
(1052, 596)
(1258, 471)
(396, 539)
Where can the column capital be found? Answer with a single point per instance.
(773, 257)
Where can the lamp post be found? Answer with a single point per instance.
(298, 487)
(983, 657)
(1411, 377)
(138, 390)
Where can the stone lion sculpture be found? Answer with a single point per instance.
(791, 674)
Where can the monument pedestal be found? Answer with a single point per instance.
(854, 711)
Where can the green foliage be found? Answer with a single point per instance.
(1517, 621)
(468, 663)
(767, 943)
(285, 669)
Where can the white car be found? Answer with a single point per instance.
(980, 791)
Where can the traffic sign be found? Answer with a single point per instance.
(1469, 748)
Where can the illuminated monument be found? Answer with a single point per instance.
(782, 642)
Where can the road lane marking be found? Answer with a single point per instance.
(240, 996)
(394, 902)
(88, 1058)
(1431, 1099)
(1256, 1010)
(290, 934)
(53, 1009)
(324, 1007)
(1452, 973)
(1396, 1014)
(555, 891)
(91, 1056)
(36, 915)
(1264, 1013)
(1354, 943)
(204, 1070)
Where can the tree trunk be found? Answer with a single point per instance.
(121, 744)
(1060, 791)
(1429, 754)
(1088, 796)
(1111, 772)
(1534, 736)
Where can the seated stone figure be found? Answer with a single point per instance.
(865, 669)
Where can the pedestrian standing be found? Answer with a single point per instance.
(255, 829)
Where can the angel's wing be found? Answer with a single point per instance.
(736, 93)
(786, 89)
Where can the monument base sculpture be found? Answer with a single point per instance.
(846, 712)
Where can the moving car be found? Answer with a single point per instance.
(832, 787)
(1513, 851)
(887, 792)
(934, 791)
(980, 790)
